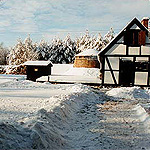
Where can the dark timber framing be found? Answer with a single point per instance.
(111, 70)
(104, 57)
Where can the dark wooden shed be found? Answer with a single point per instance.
(36, 69)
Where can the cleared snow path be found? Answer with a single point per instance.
(70, 117)
(107, 125)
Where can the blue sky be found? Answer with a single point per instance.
(46, 19)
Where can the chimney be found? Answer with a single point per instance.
(145, 21)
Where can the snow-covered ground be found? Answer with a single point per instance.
(59, 69)
(66, 73)
(52, 116)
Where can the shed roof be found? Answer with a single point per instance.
(88, 52)
(37, 63)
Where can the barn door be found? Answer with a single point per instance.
(126, 72)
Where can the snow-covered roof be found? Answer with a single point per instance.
(88, 52)
(145, 18)
(37, 63)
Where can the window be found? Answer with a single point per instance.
(141, 66)
(131, 38)
(35, 69)
(134, 38)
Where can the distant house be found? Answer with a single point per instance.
(125, 60)
(87, 59)
(36, 69)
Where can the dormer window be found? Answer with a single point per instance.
(134, 38)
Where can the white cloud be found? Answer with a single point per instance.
(4, 23)
(20, 13)
(66, 13)
(59, 17)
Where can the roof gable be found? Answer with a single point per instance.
(133, 24)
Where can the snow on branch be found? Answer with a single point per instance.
(59, 50)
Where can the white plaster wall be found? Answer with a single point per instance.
(117, 49)
(134, 50)
(145, 50)
(108, 77)
(114, 61)
(141, 78)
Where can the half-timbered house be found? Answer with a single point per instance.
(125, 61)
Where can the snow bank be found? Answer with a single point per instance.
(53, 119)
(83, 72)
(68, 69)
(68, 74)
(129, 93)
(143, 116)
(60, 117)
(59, 69)
(38, 123)
(12, 137)
(48, 130)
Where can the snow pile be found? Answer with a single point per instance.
(12, 137)
(35, 122)
(129, 93)
(59, 117)
(50, 123)
(142, 114)
(55, 119)
(83, 72)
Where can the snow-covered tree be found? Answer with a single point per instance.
(88, 42)
(59, 51)
(43, 50)
(109, 36)
(3, 54)
(22, 51)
